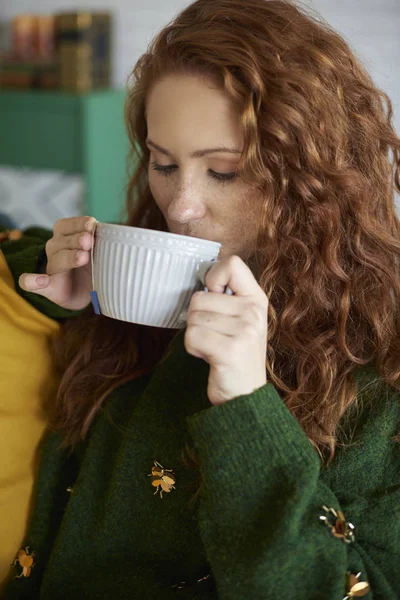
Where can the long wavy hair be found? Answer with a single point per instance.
(320, 145)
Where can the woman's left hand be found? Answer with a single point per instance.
(230, 331)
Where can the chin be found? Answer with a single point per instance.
(226, 251)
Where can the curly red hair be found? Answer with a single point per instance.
(320, 145)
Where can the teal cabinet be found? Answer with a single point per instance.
(74, 133)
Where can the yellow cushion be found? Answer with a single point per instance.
(28, 383)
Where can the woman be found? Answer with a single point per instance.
(276, 449)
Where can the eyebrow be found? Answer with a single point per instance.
(197, 153)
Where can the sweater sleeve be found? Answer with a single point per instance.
(261, 506)
(28, 255)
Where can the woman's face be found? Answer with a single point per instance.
(195, 144)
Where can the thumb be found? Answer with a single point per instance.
(38, 284)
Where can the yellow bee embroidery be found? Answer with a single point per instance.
(336, 522)
(24, 561)
(162, 479)
(354, 587)
(10, 235)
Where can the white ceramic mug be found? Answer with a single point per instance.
(148, 277)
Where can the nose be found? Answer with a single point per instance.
(187, 204)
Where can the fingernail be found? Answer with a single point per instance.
(42, 280)
(89, 224)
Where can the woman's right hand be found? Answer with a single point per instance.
(68, 278)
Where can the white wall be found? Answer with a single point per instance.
(371, 26)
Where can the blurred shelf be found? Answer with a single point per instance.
(74, 133)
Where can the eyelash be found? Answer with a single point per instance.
(169, 169)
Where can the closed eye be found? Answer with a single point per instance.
(222, 176)
(163, 169)
(169, 169)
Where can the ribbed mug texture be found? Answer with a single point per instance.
(147, 277)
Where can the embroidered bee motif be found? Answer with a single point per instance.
(24, 562)
(162, 479)
(10, 235)
(354, 587)
(336, 522)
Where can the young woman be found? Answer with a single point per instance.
(274, 447)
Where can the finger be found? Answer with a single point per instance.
(42, 285)
(66, 260)
(77, 241)
(74, 225)
(249, 310)
(222, 323)
(33, 282)
(219, 303)
(234, 273)
(208, 347)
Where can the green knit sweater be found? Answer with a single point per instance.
(254, 532)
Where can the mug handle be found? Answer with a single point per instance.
(202, 271)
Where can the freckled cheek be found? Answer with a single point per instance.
(161, 190)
